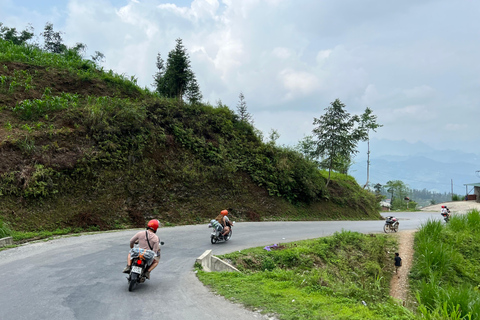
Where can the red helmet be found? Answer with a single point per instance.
(224, 212)
(443, 206)
(153, 224)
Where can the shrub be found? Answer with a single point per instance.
(4, 230)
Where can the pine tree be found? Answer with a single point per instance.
(176, 79)
(243, 113)
(336, 137)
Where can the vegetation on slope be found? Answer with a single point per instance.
(446, 271)
(86, 149)
(344, 276)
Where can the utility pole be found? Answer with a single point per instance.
(368, 164)
(452, 188)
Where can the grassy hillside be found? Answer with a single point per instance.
(86, 149)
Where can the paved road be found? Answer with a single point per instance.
(80, 277)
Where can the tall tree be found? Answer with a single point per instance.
(11, 34)
(243, 113)
(398, 191)
(336, 136)
(176, 79)
(307, 147)
(53, 41)
(368, 122)
(193, 94)
(158, 78)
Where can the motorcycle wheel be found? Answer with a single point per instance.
(385, 228)
(395, 227)
(133, 281)
(213, 240)
(229, 235)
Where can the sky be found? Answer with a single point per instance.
(413, 62)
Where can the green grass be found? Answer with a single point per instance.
(446, 271)
(4, 230)
(326, 278)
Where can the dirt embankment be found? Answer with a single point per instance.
(454, 206)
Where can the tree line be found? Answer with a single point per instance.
(402, 197)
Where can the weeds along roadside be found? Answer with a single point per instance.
(445, 276)
(344, 276)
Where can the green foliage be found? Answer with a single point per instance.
(326, 278)
(21, 80)
(242, 109)
(445, 274)
(33, 109)
(176, 79)
(457, 197)
(12, 35)
(69, 60)
(4, 230)
(128, 155)
(35, 182)
(336, 137)
(53, 41)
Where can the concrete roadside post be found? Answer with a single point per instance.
(8, 241)
(210, 263)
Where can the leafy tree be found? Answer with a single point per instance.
(273, 136)
(243, 113)
(176, 79)
(342, 164)
(306, 147)
(11, 34)
(377, 188)
(53, 41)
(398, 190)
(98, 58)
(368, 122)
(158, 78)
(336, 136)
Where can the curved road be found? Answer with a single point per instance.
(80, 277)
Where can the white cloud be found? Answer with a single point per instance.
(282, 53)
(292, 58)
(298, 82)
(323, 55)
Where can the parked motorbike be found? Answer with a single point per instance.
(391, 224)
(139, 267)
(216, 235)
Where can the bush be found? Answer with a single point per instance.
(4, 230)
(446, 273)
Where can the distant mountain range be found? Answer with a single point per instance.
(417, 165)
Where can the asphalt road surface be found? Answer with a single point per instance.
(80, 277)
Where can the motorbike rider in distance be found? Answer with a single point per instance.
(224, 221)
(146, 240)
(445, 211)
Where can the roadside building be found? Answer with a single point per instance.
(474, 192)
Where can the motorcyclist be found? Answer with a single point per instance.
(146, 240)
(445, 211)
(224, 221)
